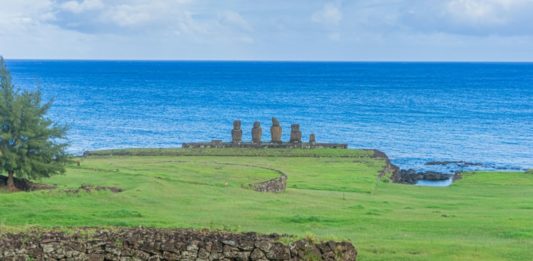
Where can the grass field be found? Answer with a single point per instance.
(331, 194)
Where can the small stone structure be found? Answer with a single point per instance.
(165, 244)
(257, 132)
(236, 132)
(296, 134)
(275, 131)
(274, 185)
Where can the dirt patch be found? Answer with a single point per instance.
(24, 184)
(90, 188)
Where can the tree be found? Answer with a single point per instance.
(31, 145)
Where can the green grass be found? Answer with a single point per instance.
(256, 152)
(331, 194)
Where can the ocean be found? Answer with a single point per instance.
(414, 112)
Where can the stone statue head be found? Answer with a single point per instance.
(257, 124)
(236, 124)
(295, 127)
(275, 122)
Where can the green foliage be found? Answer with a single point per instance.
(30, 143)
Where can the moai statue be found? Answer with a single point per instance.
(275, 131)
(312, 139)
(296, 134)
(236, 133)
(256, 133)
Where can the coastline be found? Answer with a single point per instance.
(414, 112)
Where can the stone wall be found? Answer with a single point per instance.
(304, 145)
(165, 244)
(389, 170)
(274, 185)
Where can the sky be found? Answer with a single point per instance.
(299, 30)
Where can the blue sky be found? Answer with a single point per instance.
(371, 30)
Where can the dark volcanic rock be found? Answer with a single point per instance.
(164, 244)
(411, 176)
(459, 163)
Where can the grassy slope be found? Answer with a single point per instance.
(485, 216)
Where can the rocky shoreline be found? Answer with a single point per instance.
(165, 244)
(393, 172)
(411, 176)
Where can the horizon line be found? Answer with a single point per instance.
(265, 61)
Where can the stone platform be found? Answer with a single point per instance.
(303, 145)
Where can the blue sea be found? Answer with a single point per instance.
(414, 112)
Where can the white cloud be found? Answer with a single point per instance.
(233, 18)
(18, 16)
(330, 15)
(128, 15)
(277, 29)
(478, 17)
(78, 7)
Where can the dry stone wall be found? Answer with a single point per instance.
(164, 244)
(274, 185)
(278, 184)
